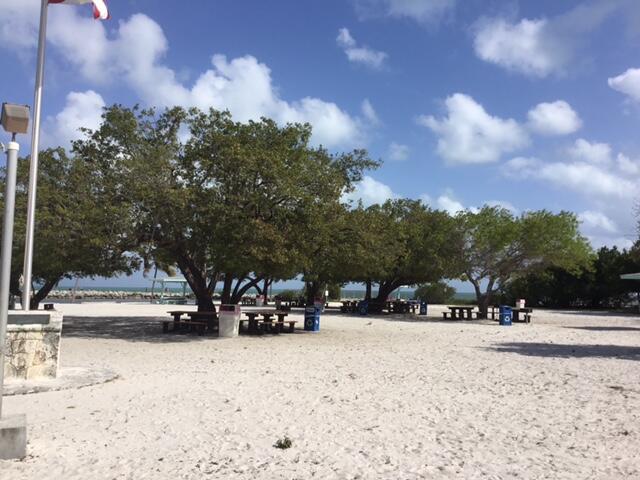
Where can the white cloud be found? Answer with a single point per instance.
(627, 83)
(449, 204)
(597, 221)
(369, 112)
(370, 191)
(543, 46)
(628, 166)
(398, 152)
(556, 118)
(522, 47)
(134, 54)
(360, 54)
(587, 179)
(18, 23)
(470, 135)
(502, 204)
(422, 11)
(82, 109)
(596, 153)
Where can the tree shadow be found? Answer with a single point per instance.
(607, 329)
(133, 329)
(594, 313)
(569, 351)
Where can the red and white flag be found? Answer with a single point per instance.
(100, 9)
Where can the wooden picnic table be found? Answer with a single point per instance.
(458, 312)
(201, 321)
(516, 311)
(267, 316)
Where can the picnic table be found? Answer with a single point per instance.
(459, 313)
(200, 321)
(402, 307)
(516, 313)
(349, 306)
(253, 323)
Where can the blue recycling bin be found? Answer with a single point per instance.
(423, 308)
(363, 307)
(506, 315)
(312, 319)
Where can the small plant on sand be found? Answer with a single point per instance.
(283, 443)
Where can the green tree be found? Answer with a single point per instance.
(225, 201)
(498, 247)
(81, 230)
(436, 292)
(402, 242)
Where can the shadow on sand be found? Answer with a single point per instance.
(569, 351)
(133, 329)
(607, 329)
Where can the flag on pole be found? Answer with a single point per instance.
(100, 10)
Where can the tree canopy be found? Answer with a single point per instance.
(499, 247)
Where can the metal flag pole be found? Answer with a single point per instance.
(33, 167)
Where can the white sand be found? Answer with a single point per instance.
(365, 398)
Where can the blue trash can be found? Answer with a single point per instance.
(506, 315)
(363, 307)
(312, 319)
(423, 308)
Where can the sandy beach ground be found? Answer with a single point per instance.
(365, 398)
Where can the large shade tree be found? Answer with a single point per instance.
(226, 201)
(499, 247)
(81, 229)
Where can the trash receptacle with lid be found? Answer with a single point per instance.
(423, 308)
(229, 320)
(506, 315)
(312, 319)
(363, 307)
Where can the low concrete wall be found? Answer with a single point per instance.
(33, 344)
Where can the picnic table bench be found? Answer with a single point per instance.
(267, 324)
(200, 321)
(459, 313)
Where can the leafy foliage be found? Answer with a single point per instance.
(499, 248)
(436, 292)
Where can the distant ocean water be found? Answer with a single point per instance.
(345, 293)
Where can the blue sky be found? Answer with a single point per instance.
(525, 104)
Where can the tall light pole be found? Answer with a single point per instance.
(15, 120)
(33, 166)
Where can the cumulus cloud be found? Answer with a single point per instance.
(596, 153)
(398, 152)
(522, 47)
(360, 54)
(597, 221)
(82, 110)
(555, 118)
(449, 204)
(422, 11)
(134, 54)
(468, 134)
(543, 46)
(582, 177)
(627, 83)
(370, 191)
(627, 165)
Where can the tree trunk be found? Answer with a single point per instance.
(312, 290)
(483, 301)
(42, 293)
(226, 289)
(386, 288)
(239, 291)
(367, 292)
(198, 283)
(265, 291)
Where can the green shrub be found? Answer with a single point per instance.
(438, 292)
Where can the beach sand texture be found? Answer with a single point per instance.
(365, 398)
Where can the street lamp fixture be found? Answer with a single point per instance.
(15, 118)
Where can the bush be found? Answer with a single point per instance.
(335, 291)
(438, 292)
